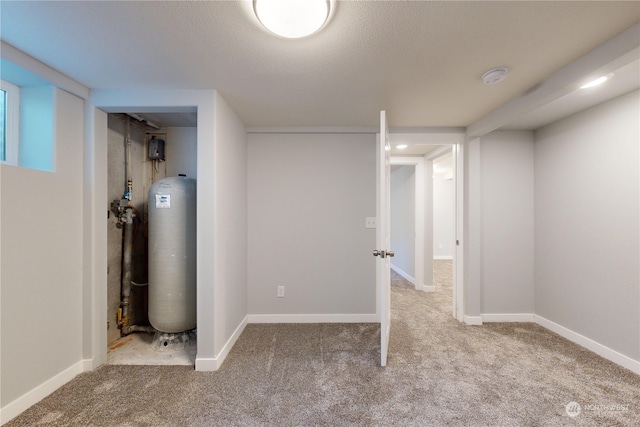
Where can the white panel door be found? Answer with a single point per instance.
(382, 253)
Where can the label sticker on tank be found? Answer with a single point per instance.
(163, 201)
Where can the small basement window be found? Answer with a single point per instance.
(9, 122)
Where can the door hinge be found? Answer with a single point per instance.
(457, 242)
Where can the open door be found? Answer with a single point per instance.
(382, 253)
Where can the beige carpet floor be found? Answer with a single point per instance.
(439, 373)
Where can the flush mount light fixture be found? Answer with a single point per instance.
(401, 146)
(597, 82)
(495, 75)
(292, 18)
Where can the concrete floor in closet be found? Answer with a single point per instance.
(136, 349)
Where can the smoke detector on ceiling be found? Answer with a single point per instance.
(495, 75)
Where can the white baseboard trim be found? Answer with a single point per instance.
(445, 257)
(589, 344)
(206, 364)
(473, 320)
(313, 318)
(507, 317)
(33, 396)
(426, 288)
(88, 365)
(404, 274)
(214, 363)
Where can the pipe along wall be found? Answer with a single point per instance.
(131, 174)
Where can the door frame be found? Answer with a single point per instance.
(460, 211)
(209, 356)
(451, 140)
(458, 283)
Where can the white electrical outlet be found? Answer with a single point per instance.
(370, 222)
(280, 293)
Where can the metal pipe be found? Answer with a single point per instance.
(126, 278)
(127, 163)
(143, 120)
(139, 284)
(138, 328)
(126, 268)
(127, 247)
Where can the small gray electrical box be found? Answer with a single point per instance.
(156, 149)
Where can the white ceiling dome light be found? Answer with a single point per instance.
(292, 18)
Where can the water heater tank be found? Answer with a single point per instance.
(172, 254)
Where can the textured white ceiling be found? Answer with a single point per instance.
(421, 61)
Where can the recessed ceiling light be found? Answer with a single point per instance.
(401, 146)
(292, 18)
(495, 75)
(596, 82)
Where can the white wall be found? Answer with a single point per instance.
(427, 226)
(403, 209)
(230, 218)
(42, 265)
(507, 222)
(472, 232)
(309, 195)
(94, 291)
(587, 217)
(181, 149)
(443, 216)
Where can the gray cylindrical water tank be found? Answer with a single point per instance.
(172, 254)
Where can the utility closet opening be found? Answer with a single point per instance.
(151, 238)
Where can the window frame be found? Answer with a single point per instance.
(12, 122)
